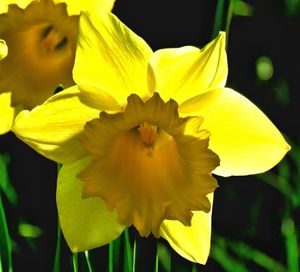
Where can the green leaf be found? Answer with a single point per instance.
(75, 262)
(243, 251)
(127, 252)
(291, 244)
(5, 184)
(225, 260)
(57, 251)
(88, 262)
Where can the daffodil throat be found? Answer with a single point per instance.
(149, 164)
(53, 40)
(41, 41)
(148, 135)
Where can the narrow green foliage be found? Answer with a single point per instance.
(5, 184)
(244, 252)
(291, 244)
(194, 269)
(88, 262)
(223, 18)
(134, 255)
(156, 261)
(164, 256)
(111, 257)
(116, 253)
(240, 8)
(228, 19)
(278, 183)
(75, 262)
(218, 23)
(127, 252)
(225, 260)
(5, 242)
(57, 251)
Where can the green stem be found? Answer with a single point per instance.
(87, 258)
(228, 20)
(291, 244)
(75, 262)
(58, 242)
(5, 242)
(223, 18)
(57, 251)
(218, 18)
(111, 257)
(134, 255)
(127, 252)
(156, 260)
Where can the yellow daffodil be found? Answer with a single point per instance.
(140, 135)
(8, 113)
(41, 38)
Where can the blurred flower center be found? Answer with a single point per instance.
(41, 41)
(53, 40)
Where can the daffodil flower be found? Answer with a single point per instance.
(140, 135)
(41, 37)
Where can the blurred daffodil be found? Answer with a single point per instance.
(8, 113)
(141, 133)
(41, 39)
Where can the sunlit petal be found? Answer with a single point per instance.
(246, 141)
(76, 6)
(86, 223)
(192, 243)
(185, 72)
(52, 128)
(3, 49)
(7, 113)
(111, 57)
(98, 99)
(5, 3)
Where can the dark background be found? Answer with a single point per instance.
(245, 208)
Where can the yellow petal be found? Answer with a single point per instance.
(85, 223)
(192, 243)
(74, 7)
(98, 99)
(52, 128)
(246, 141)
(182, 73)
(111, 57)
(3, 49)
(7, 113)
(5, 3)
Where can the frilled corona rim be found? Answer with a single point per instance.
(36, 12)
(149, 164)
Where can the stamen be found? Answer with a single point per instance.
(52, 40)
(148, 136)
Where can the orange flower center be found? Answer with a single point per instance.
(53, 40)
(148, 136)
(147, 165)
